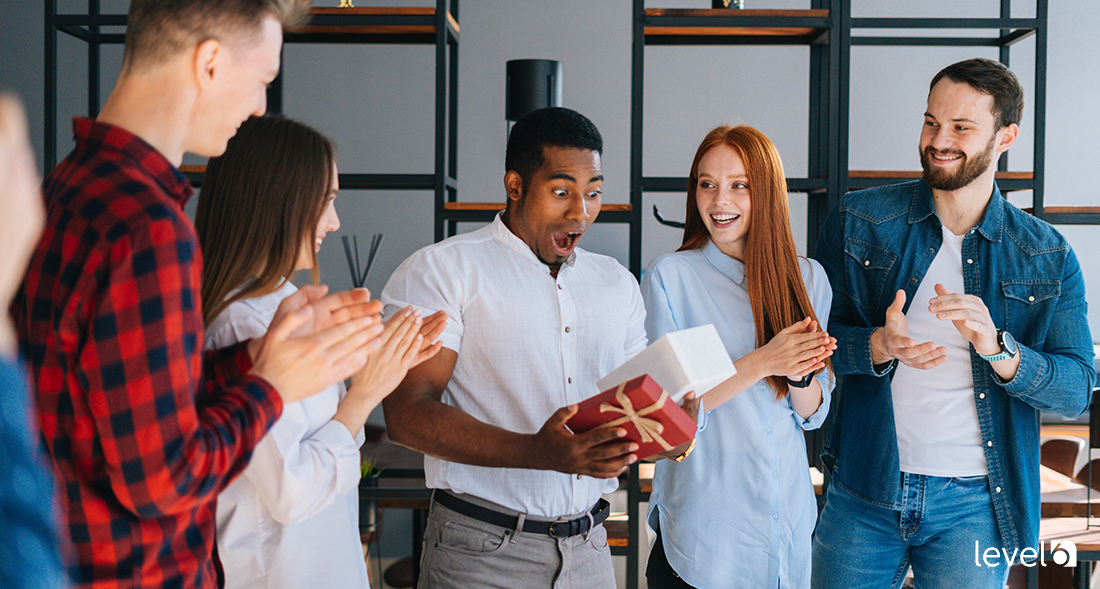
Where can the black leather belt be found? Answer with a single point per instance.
(556, 529)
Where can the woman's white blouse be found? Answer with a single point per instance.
(739, 511)
(292, 519)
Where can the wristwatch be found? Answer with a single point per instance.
(1009, 349)
(801, 384)
(685, 453)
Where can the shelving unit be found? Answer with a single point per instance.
(436, 26)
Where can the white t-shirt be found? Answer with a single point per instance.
(292, 519)
(527, 344)
(934, 410)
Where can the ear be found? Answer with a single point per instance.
(1008, 137)
(513, 185)
(208, 56)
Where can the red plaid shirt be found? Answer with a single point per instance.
(144, 430)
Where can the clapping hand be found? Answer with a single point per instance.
(893, 341)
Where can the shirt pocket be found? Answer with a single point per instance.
(868, 268)
(1029, 308)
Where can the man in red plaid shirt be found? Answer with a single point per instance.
(144, 430)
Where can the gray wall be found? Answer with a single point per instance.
(376, 102)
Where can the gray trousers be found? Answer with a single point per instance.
(464, 553)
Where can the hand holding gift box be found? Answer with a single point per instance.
(640, 406)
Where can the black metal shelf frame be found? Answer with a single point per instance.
(444, 179)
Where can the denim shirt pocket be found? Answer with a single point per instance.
(1029, 308)
(868, 266)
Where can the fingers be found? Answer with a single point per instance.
(346, 298)
(898, 306)
(409, 345)
(562, 415)
(802, 326)
(923, 360)
(348, 337)
(427, 353)
(288, 319)
(313, 292)
(433, 327)
(351, 311)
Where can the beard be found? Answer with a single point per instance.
(968, 171)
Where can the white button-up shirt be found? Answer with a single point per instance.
(528, 344)
(292, 519)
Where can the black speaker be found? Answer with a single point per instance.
(531, 84)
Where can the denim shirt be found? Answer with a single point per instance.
(880, 240)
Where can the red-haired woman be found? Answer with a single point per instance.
(739, 511)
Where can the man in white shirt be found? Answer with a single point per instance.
(534, 322)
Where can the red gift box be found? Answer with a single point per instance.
(641, 407)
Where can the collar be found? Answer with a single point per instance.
(921, 206)
(730, 267)
(504, 235)
(96, 136)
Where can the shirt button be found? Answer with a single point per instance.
(566, 330)
(981, 395)
(931, 250)
(768, 430)
(775, 516)
(989, 443)
(969, 261)
(914, 280)
(775, 474)
(866, 262)
(559, 287)
(570, 379)
(1031, 299)
(998, 490)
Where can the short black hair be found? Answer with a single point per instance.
(554, 126)
(992, 78)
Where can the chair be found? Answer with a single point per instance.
(1093, 468)
(1061, 453)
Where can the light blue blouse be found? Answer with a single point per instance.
(740, 510)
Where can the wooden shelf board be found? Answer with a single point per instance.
(730, 31)
(734, 31)
(499, 206)
(704, 12)
(376, 29)
(618, 534)
(917, 174)
(1068, 210)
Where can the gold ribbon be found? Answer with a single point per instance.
(650, 429)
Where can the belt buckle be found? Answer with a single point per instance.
(554, 523)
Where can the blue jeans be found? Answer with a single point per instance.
(933, 526)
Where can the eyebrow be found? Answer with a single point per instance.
(564, 176)
(962, 120)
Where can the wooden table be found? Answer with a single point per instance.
(1061, 496)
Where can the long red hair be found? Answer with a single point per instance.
(776, 292)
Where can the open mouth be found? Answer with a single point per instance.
(565, 241)
(317, 244)
(724, 219)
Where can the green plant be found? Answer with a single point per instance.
(368, 467)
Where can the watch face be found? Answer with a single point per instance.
(1008, 343)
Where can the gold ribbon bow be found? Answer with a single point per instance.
(650, 429)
